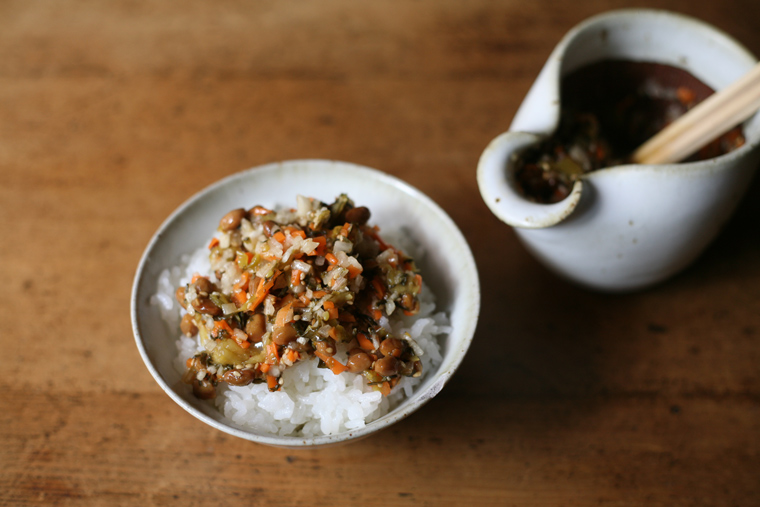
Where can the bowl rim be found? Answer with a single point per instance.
(408, 405)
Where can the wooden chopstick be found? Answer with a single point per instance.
(711, 118)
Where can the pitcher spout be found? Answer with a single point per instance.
(496, 181)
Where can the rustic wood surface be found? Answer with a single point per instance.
(113, 113)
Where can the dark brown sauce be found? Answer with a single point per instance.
(609, 109)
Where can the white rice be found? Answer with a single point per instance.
(312, 401)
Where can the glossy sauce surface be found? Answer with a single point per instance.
(609, 109)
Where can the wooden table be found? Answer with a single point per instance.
(113, 113)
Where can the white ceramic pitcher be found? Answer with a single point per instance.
(630, 226)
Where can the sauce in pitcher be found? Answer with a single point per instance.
(609, 109)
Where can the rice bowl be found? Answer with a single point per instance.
(447, 266)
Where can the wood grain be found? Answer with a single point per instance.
(113, 113)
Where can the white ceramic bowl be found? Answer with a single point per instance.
(447, 266)
(626, 227)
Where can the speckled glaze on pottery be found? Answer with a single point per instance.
(625, 227)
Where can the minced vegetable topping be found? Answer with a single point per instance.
(296, 285)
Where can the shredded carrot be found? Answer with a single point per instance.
(259, 295)
(189, 362)
(353, 271)
(378, 285)
(385, 388)
(225, 325)
(335, 366)
(296, 232)
(345, 230)
(329, 257)
(282, 315)
(272, 382)
(243, 282)
(262, 289)
(264, 367)
(272, 354)
(338, 367)
(333, 333)
(321, 244)
(214, 242)
(221, 325)
(329, 306)
(295, 277)
(279, 236)
(240, 297)
(292, 355)
(319, 294)
(377, 314)
(365, 342)
(244, 344)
